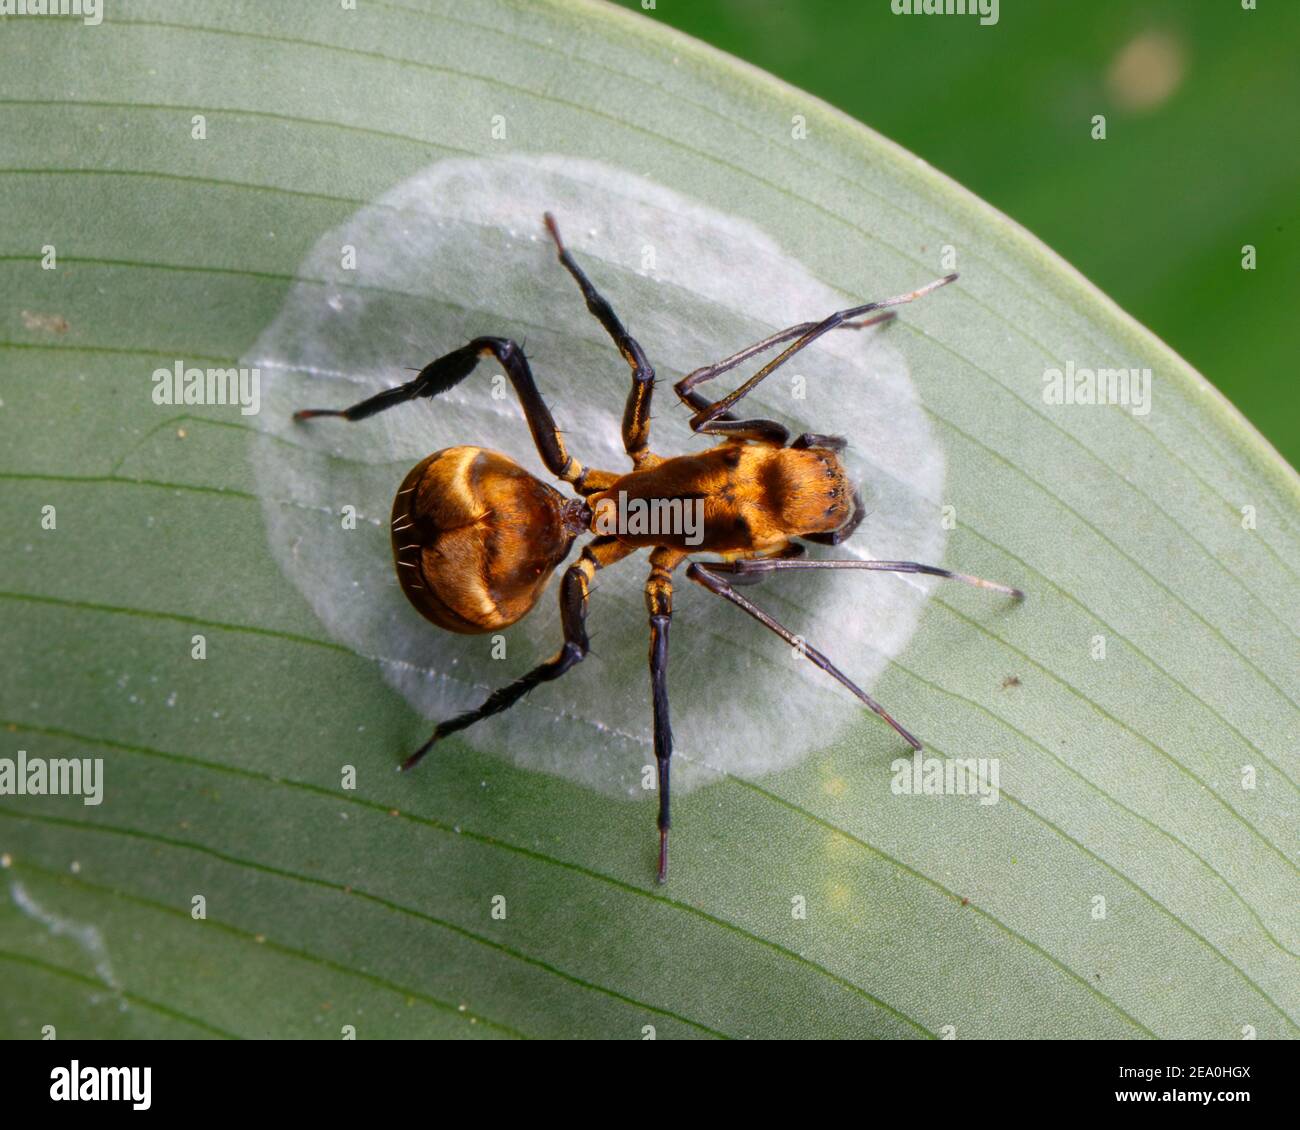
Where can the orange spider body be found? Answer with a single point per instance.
(476, 537)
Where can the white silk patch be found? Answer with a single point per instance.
(459, 251)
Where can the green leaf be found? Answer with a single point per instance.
(1136, 876)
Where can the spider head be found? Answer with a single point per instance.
(476, 538)
(808, 490)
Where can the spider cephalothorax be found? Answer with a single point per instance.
(476, 537)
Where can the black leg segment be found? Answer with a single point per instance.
(753, 567)
(636, 415)
(715, 584)
(659, 604)
(816, 439)
(804, 334)
(452, 368)
(574, 589)
(685, 387)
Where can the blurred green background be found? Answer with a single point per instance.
(1202, 153)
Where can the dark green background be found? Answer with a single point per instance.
(1155, 215)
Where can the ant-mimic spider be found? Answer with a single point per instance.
(476, 537)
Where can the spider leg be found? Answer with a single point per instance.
(790, 550)
(574, 588)
(705, 416)
(685, 388)
(754, 566)
(764, 431)
(449, 370)
(715, 584)
(636, 415)
(816, 439)
(659, 604)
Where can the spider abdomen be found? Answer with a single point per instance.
(475, 538)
